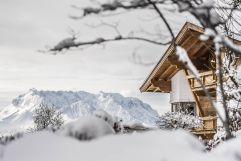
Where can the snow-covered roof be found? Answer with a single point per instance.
(159, 80)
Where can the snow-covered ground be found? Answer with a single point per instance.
(74, 105)
(150, 146)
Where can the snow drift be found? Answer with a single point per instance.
(158, 145)
(87, 128)
(74, 105)
(153, 146)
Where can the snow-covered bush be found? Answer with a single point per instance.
(47, 117)
(218, 138)
(5, 139)
(86, 128)
(176, 120)
(235, 119)
(114, 122)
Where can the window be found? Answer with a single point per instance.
(186, 107)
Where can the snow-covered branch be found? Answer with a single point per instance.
(183, 57)
(115, 5)
(70, 42)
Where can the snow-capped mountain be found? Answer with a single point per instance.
(73, 105)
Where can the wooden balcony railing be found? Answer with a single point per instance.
(209, 126)
(209, 79)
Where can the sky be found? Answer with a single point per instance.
(28, 26)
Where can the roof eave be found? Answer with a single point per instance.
(186, 26)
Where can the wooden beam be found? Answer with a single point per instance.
(173, 59)
(198, 104)
(157, 90)
(207, 47)
(165, 66)
(197, 43)
(196, 47)
(168, 71)
(185, 39)
(207, 87)
(190, 46)
(161, 84)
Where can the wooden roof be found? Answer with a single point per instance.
(159, 79)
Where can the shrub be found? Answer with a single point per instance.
(47, 117)
(179, 120)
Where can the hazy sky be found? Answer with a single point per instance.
(27, 26)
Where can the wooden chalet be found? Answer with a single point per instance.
(186, 94)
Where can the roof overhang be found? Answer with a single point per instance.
(159, 79)
(188, 38)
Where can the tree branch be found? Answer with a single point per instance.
(220, 78)
(135, 4)
(61, 46)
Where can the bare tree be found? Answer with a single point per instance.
(217, 17)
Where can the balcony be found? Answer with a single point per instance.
(209, 127)
(209, 80)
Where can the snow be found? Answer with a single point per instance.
(207, 33)
(239, 72)
(65, 43)
(74, 105)
(219, 105)
(230, 44)
(153, 146)
(230, 149)
(105, 116)
(208, 3)
(87, 128)
(183, 56)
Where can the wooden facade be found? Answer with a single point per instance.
(202, 55)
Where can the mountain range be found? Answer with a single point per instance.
(72, 105)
